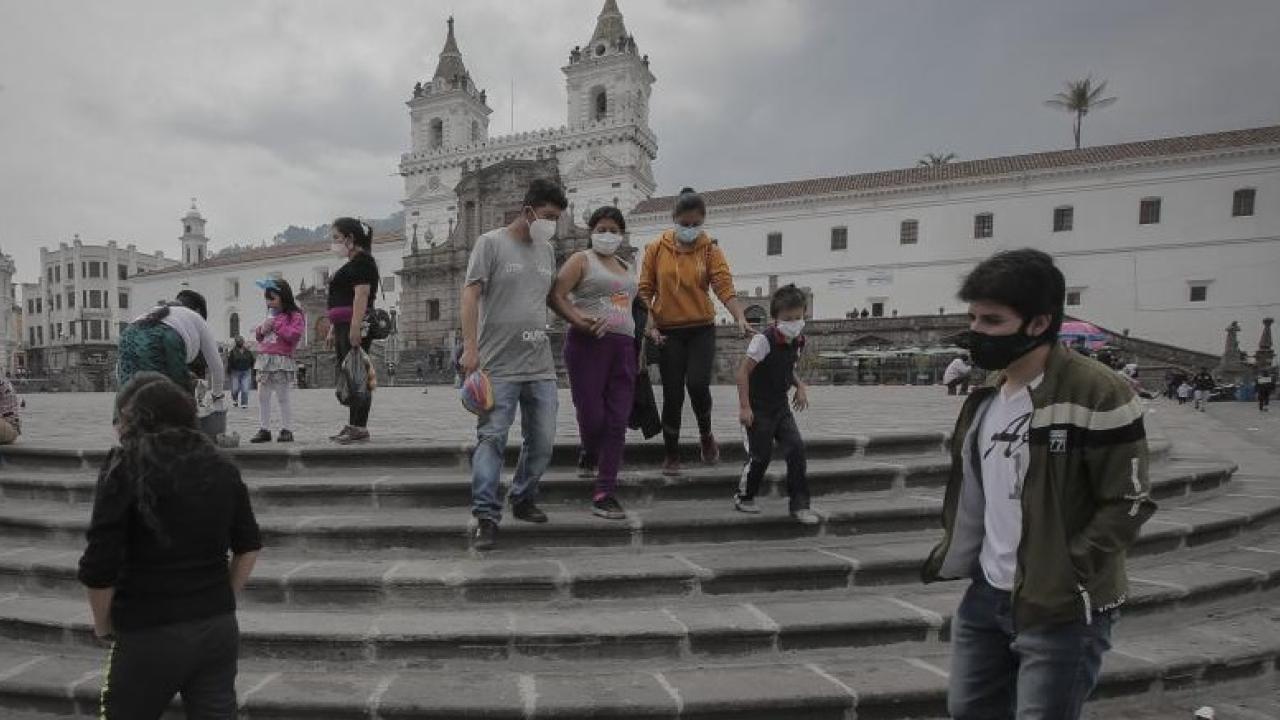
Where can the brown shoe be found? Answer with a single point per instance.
(354, 435)
(710, 450)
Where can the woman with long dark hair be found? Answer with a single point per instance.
(277, 337)
(594, 292)
(678, 270)
(351, 293)
(168, 508)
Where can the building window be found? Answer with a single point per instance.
(433, 310)
(58, 330)
(39, 306)
(475, 131)
(71, 299)
(1063, 218)
(984, 225)
(95, 329)
(877, 308)
(233, 325)
(773, 244)
(71, 271)
(200, 254)
(1149, 211)
(601, 105)
(124, 301)
(435, 134)
(1075, 297)
(839, 238)
(31, 336)
(57, 273)
(48, 272)
(95, 270)
(122, 272)
(1199, 292)
(909, 232)
(84, 269)
(95, 299)
(1242, 202)
(57, 301)
(389, 283)
(232, 290)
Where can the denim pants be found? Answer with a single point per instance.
(1042, 673)
(240, 382)
(538, 401)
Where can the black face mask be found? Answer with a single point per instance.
(996, 352)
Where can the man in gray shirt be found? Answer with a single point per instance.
(504, 333)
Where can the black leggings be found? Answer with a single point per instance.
(685, 362)
(359, 412)
(195, 659)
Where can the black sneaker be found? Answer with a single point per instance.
(485, 535)
(262, 436)
(284, 436)
(525, 510)
(608, 508)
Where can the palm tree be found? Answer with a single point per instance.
(1079, 97)
(932, 159)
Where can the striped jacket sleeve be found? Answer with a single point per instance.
(1115, 458)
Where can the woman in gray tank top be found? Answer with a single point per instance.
(593, 293)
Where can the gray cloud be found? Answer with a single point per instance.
(113, 114)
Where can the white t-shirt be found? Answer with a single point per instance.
(1004, 456)
(758, 348)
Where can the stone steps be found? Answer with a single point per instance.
(674, 628)
(307, 580)
(1238, 646)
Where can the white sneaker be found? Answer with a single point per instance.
(806, 517)
(747, 506)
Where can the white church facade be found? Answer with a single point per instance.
(603, 150)
(1172, 239)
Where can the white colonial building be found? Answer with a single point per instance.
(73, 314)
(1172, 239)
(603, 150)
(227, 281)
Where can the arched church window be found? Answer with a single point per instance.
(187, 228)
(602, 105)
(233, 325)
(435, 135)
(475, 131)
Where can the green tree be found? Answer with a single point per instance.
(931, 159)
(1079, 97)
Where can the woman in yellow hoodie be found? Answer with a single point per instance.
(678, 270)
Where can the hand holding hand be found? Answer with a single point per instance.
(745, 327)
(656, 337)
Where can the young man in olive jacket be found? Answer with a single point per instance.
(1048, 489)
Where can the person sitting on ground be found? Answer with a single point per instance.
(678, 270)
(504, 333)
(278, 337)
(765, 376)
(1048, 489)
(593, 293)
(167, 510)
(10, 423)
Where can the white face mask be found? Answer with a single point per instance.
(686, 234)
(606, 243)
(542, 230)
(791, 329)
(339, 249)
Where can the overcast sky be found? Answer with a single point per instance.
(113, 114)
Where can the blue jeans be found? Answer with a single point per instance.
(240, 382)
(1042, 673)
(538, 401)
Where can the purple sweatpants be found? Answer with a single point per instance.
(602, 378)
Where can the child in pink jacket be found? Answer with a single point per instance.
(277, 336)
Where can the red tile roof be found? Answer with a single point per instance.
(1101, 154)
(271, 252)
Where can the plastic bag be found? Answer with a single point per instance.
(356, 379)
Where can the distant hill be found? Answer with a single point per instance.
(295, 234)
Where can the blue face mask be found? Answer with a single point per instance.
(687, 234)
